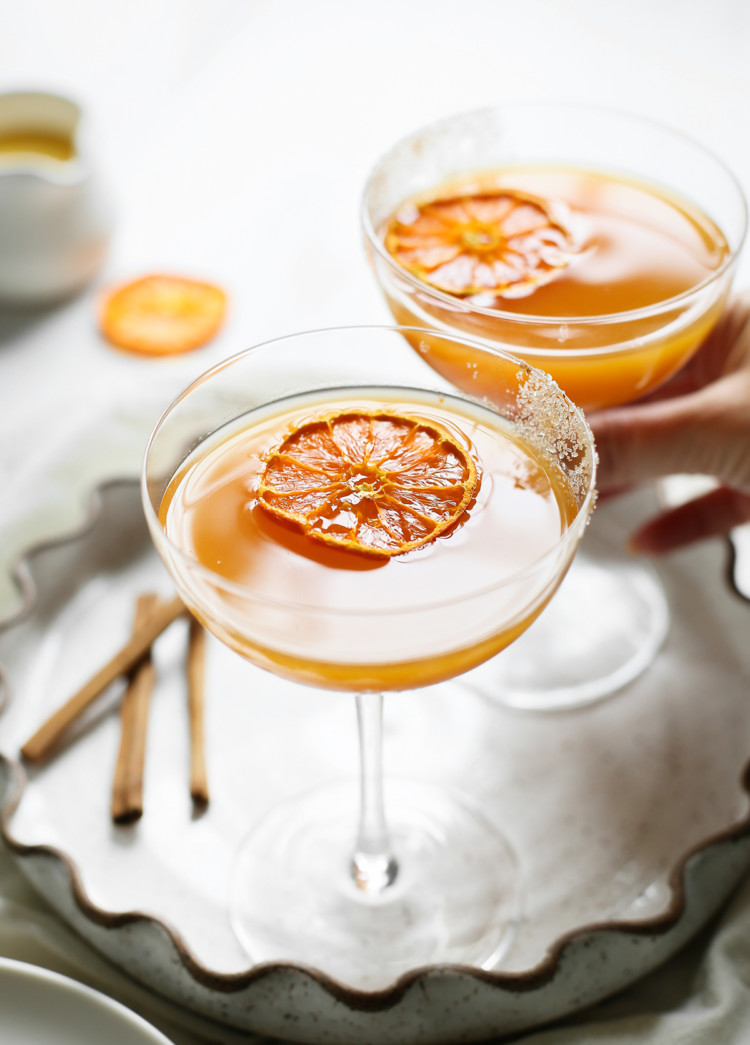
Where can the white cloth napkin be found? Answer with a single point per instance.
(701, 997)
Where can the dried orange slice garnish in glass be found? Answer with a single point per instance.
(497, 242)
(162, 315)
(373, 482)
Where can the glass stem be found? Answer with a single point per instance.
(374, 866)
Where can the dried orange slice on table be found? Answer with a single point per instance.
(162, 315)
(495, 242)
(378, 483)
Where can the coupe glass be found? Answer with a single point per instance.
(329, 879)
(611, 616)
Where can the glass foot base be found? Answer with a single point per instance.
(454, 898)
(602, 629)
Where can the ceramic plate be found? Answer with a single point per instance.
(39, 1006)
(630, 817)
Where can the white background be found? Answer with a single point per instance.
(237, 135)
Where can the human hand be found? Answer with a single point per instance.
(698, 423)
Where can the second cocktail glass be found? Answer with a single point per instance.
(596, 245)
(341, 515)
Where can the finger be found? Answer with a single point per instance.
(642, 442)
(711, 515)
(707, 433)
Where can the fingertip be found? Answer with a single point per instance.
(656, 537)
(643, 543)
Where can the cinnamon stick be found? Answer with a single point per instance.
(196, 661)
(51, 734)
(127, 787)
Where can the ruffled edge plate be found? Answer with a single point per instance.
(430, 1005)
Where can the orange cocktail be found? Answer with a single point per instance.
(415, 498)
(597, 246)
(340, 514)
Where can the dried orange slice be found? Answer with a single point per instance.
(162, 315)
(495, 242)
(378, 483)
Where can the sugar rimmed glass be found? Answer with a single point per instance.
(340, 878)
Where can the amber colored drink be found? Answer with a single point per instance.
(34, 147)
(593, 326)
(378, 624)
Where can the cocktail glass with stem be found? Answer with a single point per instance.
(617, 240)
(334, 879)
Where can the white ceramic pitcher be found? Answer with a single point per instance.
(55, 211)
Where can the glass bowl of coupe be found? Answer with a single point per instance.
(598, 246)
(340, 514)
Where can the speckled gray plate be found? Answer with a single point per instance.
(630, 817)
